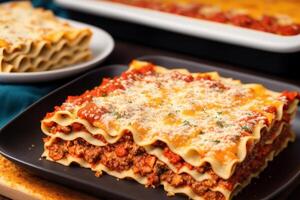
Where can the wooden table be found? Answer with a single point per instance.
(27, 186)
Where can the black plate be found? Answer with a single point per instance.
(21, 141)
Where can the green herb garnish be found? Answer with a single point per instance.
(216, 141)
(117, 115)
(246, 128)
(220, 124)
(186, 123)
(170, 115)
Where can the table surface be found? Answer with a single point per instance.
(124, 52)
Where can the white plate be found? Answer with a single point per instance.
(189, 26)
(101, 45)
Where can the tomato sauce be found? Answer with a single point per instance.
(173, 158)
(107, 86)
(291, 96)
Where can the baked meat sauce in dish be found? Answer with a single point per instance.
(277, 17)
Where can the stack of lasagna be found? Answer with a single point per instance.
(33, 39)
(198, 134)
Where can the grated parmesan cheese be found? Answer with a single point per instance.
(199, 113)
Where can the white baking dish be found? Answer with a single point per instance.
(188, 26)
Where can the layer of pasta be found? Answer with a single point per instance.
(194, 133)
(33, 39)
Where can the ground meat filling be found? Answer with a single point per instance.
(125, 154)
(254, 162)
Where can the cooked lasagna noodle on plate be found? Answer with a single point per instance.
(198, 134)
(273, 16)
(33, 39)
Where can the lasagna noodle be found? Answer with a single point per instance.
(150, 149)
(52, 45)
(238, 187)
(169, 188)
(129, 174)
(157, 152)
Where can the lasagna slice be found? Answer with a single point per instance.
(198, 134)
(33, 39)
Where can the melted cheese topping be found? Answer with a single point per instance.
(208, 116)
(21, 23)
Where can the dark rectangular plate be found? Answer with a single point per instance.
(18, 137)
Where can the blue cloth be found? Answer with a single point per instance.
(16, 97)
(48, 4)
